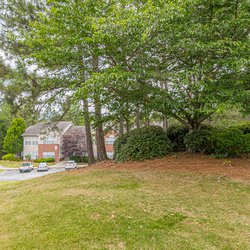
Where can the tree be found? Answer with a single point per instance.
(203, 54)
(136, 59)
(13, 142)
(74, 143)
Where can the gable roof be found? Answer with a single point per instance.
(76, 129)
(39, 127)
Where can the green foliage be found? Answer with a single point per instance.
(44, 160)
(231, 142)
(13, 142)
(28, 157)
(79, 159)
(247, 144)
(244, 127)
(201, 141)
(176, 134)
(144, 143)
(3, 131)
(8, 157)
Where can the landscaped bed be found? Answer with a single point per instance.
(181, 202)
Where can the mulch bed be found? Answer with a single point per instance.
(236, 169)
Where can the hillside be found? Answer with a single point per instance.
(148, 205)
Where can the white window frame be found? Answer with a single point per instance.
(49, 155)
(110, 140)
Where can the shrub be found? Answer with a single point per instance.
(247, 143)
(231, 142)
(8, 157)
(201, 141)
(176, 135)
(28, 157)
(44, 160)
(143, 143)
(79, 158)
(244, 127)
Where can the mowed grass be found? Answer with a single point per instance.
(17, 164)
(125, 209)
(10, 164)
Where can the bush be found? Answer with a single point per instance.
(176, 135)
(8, 157)
(247, 143)
(244, 127)
(201, 141)
(141, 144)
(44, 160)
(79, 158)
(231, 142)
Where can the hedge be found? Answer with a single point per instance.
(141, 144)
(231, 142)
(176, 135)
(79, 159)
(202, 141)
(44, 160)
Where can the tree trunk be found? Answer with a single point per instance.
(147, 120)
(121, 125)
(100, 142)
(137, 118)
(127, 125)
(90, 152)
(165, 123)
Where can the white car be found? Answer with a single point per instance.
(26, 167)
(43, 166)
(70, 165)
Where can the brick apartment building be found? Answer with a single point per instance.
(44, 140)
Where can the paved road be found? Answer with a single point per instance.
(15, 175)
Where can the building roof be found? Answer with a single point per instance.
(76, 129)
(39, 127)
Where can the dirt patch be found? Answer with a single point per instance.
(236, 169)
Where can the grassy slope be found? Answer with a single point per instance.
(125, 209)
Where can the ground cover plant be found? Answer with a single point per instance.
(121, 208)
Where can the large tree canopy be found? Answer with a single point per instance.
(137, 59)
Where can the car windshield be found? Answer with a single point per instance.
(42, 164)
(26, 164)
(70, 162)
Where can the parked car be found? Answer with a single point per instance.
(70, 165)
(26, 167)
(43, 166)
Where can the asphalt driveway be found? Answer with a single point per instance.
(15, 175)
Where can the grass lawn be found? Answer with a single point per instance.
(16, 164)
(125, 209)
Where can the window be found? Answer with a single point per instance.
(49, 141)
(110, 140)
(29, 143)
(110, 155)
(33, 155)
(49, 155)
